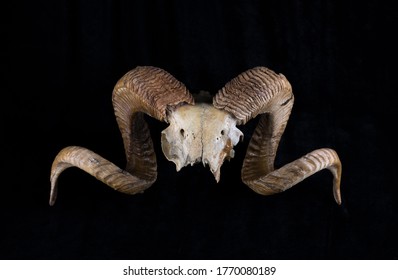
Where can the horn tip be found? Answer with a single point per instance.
(53, 193)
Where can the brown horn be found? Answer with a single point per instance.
(260, 91)
(143, 90)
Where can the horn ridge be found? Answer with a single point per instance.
(150, 90)
(250, 93)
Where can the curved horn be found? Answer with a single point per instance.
(260, 91)
(143, 90)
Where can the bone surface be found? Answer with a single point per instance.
(200, 133)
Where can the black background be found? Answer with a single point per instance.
(62, 60)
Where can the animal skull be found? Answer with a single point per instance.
(202, 132)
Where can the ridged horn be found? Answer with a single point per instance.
(143, 90)
(260, 91)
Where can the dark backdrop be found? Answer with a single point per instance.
(62, 60)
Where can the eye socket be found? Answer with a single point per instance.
(222, 132)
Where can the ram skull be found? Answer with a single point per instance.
(200, 132)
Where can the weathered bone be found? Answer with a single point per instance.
(200, 133)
